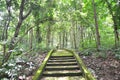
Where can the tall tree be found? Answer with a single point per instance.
(96, 26)
(7, 22)
(116, 18)
(22, 17)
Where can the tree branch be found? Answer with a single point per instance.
(25, 16)
(21, 9)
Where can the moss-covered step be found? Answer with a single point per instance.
(62, 57)
(63, 68)
(64, 78)
(72, 60)
(59, 58)
(62, 53)
(61, 64)
(86, 72)
(62, 74)
(38, 73)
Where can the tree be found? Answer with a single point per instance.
(115, 18)
(96, 26)
(22, 17)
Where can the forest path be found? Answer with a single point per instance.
(62, 65)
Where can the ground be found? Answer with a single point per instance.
(102, 68)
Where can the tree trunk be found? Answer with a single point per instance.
(96, 27)
(63, 39)
(74, 37)
(13, 39)
(5, 31)
(31, 38)
(38, 34)
(82, 38)
(52, 39)
(115, 24)
(48, 37)
(71, 38)
(60, 40)
(66, 39)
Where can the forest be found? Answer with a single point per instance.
(29, 29)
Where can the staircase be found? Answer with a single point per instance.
(60, 66)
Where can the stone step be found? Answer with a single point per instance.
(61, 57)
(57, 58)
(61, 69)
(62, 60)
(62, 74)
(61, 64)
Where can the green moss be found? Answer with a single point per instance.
(87, 73)
(62, 53)
(41, 68)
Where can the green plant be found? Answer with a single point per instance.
(15, 67)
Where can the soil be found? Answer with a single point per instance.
(103, 68)
(37, 60)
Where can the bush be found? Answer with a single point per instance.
(15, 68)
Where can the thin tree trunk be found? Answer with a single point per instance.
(82, 41)
(31, 39)
(71, 38)
(48, 37)
(60, 40)
(96, 27)
(52, 39)
(66, 39)
(63, 41)
(74, 38)
(38, 34)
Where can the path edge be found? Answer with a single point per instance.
(38, 73)
(87, 73)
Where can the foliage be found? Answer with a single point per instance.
(15, 67)
(40, 25)
(117, 53)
